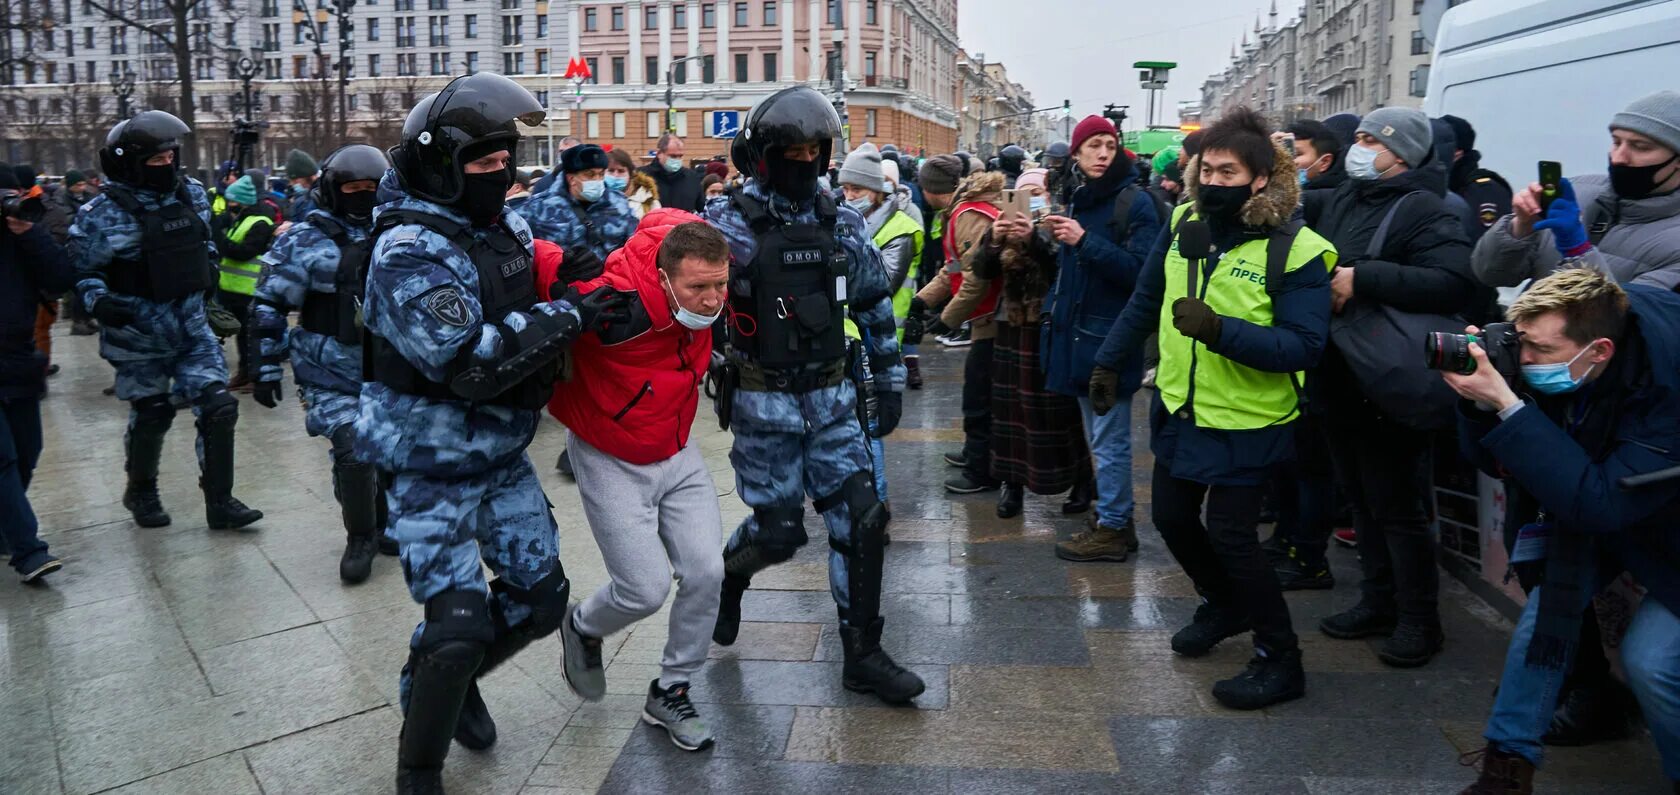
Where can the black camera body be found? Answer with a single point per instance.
(1451, 352)
(17, 204)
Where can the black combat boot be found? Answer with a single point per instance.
(1080, 497)
(1359, 621)
(1270, 678)
(1009, 501)
(729, 609)
(1210, 626)
(145, 447)
(1413, 643)
(221, 510)
(869, 669)
(356, 485)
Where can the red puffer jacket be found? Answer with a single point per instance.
(634, 387)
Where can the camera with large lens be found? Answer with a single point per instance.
(1451, 352)
(22, 206)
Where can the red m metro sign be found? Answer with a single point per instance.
(577, 68)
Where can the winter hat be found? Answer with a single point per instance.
(1463, 133)
(1405, 131)
(242, 192)
(889, 172)
(582, 157)
(863, 169)
(1089, 126)
(73, 176)
(1031, 177)
(1344, 125)
(940, 174)
(300, 164)
(25, 175)
(1656, 116)
(719, 169)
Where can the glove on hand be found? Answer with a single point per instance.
(889, 409)
(1569, 232)
(1104, 389)
(1195, 319)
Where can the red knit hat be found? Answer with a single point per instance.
(1089, 126)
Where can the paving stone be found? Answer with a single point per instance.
(811, 607)
(658, 774)
(227, 774)
(30, 763)
(749, 732)
(816, 684)
(1218, 747)
(766, 641)
(356, 754)
(950, 738)
(973, 644)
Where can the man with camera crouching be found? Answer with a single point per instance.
(1599, 407)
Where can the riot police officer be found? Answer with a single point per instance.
(142, 252)
(319, 268)
(801, 265)
(462, 356)
(1011, 159)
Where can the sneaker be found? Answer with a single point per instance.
(1268, 679)
(1346, 537)
(672, 710)
(46, 565)
(1294, 573)
(1412, 645)
(956, 460)
(1210, 626)
(1099, 543)
(1359, 621)
(1501, 773)
(1148, 381)
(963, 484)
(584, 673)
(1277, 549)
(960, 338)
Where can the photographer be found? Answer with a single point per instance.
(31, 264)
(1601, 372)
(1623, 223)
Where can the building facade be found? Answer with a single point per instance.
(996, 111)
(1334, 56)
(894, 61)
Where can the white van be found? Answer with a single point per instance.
(1540, 79)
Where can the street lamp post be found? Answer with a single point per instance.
(339, 9)
(246, 133)
(670, 90)
(122, 87)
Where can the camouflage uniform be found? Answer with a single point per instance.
(792, 445)
(603, 226)
(463, 489)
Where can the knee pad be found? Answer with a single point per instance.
(457, 625)
(215, 404)
(869, 516)
(153, 409)
(547, 600)
(781, 531)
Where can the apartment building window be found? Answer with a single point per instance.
(271, 8)
(405, 5)
(513, 63)
(679, 16)
(654, 125)
(52, 72)
(437, 5)
(203, 69)
(274, 103)
(770, 13)
(438, 31)
(87, 38)
(405, 31)
(651, 70)
(708, 74)
(472, 62)
(869, 122)
(869, 64)
(769, 67)
(590, 21)
(471, 23)
(681, 123)
(271, 69)
(513, 31)
(740, 15)
(650, 17)
(594, 69)
(1420, 46)
(708, 15)
(834, 14)
(542, 26)
(1419, 81)
(592, 125)
(618, 17)
(119, 41)
(229, 34)
(870, 12)
(355, 102)
(299, 66)
(405, 64)
(542, 62)
(740, 67)
(1417, 8)
(542, 98)
(373, 66)
(680, 73)
(618, 124)
(373, 29)
(617, 70)
(510, 4)
(440, 63)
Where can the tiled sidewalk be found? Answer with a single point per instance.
(184, 661)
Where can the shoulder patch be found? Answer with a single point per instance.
(445, 304)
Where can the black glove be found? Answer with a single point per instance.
(938, 328)
(914, 329)
(601, 306)
(268, 393)
(1195, 319)
(1104, 389)
(578, 265)
(111, 312)
(889, 407)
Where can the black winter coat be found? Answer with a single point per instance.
(31, 265)
(680, 189)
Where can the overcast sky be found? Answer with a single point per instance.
(1083, 50)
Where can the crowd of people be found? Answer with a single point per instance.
(1268, 294)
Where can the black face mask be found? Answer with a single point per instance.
(1223, 204)
(158, 178)
(795, 179)
(483, 195)
(357, 206)
(1636, 182)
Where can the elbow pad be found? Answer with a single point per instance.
(522, 345)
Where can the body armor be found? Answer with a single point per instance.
(172, 261)
(789, 303)
(338, 314)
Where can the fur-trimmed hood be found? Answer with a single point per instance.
(1268, 209)
(984, 186)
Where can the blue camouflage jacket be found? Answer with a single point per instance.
(406, 433)
(603, 226)
(303, 260)
(103, 231)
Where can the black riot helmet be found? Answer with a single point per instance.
(890, 152)
(1010, 160)
(347, 164)
(133, 141)
(481, 112)
(795, 115)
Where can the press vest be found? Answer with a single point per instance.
(1196, 383)
(898, 225)
(506, 283)
(338, 313)
(788, 305)
(240, 276)
(172, 260)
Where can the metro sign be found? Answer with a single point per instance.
(577, 69)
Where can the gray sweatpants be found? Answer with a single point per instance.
(653, 522)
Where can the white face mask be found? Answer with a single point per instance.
(1362, 163)
(691, 320)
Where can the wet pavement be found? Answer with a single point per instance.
(181, 660)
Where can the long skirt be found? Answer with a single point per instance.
(1037, 438)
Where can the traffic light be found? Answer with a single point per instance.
(1067, 107)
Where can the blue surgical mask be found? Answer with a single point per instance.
(690, 320)
(1301, 174)
(1554, 379)
(1038, 203)
(1362, 163)
(673, 165)
(594, 189)
(863, 204)
(617, 183)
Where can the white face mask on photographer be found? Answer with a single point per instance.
(1362, 162)
(690, 320)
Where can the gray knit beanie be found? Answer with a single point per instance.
(940, 174)
(1656, 116)
(863, 169)
(1405, 131)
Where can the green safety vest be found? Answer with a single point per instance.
(240, 276)
(1229, 396)
(898, 225)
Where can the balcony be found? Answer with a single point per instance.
(879, 81)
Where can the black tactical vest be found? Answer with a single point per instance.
(506, 283)
(172, 261)
(338, 314)
(789, 303)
